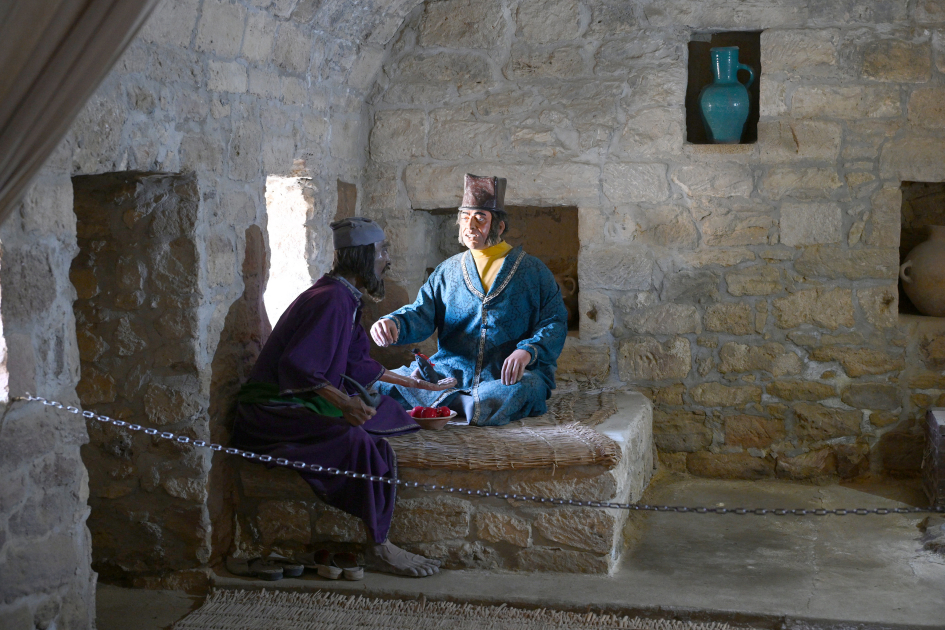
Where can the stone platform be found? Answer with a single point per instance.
(933, 462)
(278, 511)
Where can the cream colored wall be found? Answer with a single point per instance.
(750, 290)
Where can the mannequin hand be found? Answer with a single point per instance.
(514, 367)
(418, 382)
(355, 411)
(384, 332)
(439, 386)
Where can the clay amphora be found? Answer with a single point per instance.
(923, 274)
(724, 102)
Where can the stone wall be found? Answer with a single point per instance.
(46, 578)
(278, 512)
(141, 283)
(749, 289)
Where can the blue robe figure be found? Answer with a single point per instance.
(477, 331)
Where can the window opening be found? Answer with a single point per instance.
(289, 201)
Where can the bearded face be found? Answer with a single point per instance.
(368, 264)
(374, 286)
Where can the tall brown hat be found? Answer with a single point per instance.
(484, 192)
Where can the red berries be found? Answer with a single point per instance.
(430, 412)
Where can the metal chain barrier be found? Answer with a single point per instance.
(298, 465)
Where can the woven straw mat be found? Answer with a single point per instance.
(562, 437)
(261, 610)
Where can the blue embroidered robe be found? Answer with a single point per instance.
(477, 331)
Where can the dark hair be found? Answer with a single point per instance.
(358, 261)
(494, 236)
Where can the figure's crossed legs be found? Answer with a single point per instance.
(499, 404)
(388, 558)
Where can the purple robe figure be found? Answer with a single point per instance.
(317, 339)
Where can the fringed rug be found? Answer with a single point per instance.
(266, 610)
(562, 437)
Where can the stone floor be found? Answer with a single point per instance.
(859, 572)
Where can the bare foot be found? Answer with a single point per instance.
(388, 558)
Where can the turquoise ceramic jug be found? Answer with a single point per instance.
(724, 102)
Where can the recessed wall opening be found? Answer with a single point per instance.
(923, 205)
(347, 200)
(289, 203)
(137, 317)
(548, 233)
(700, 75)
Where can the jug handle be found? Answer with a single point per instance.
(902, 271)
(751, 74)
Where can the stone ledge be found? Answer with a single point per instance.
(472, 532)
(718, 149)
(906, 319)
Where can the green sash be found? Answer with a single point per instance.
(256, 393)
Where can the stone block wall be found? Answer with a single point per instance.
(278, 512)
(141, 284)
(749, 289)
(46, 579)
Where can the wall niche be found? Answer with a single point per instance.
(138, 313)
(923, 205)
(700, 75)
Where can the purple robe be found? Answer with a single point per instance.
(317, 339)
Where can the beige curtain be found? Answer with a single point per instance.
(53, 54)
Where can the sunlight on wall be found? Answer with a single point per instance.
(288, 203)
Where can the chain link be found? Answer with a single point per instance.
(298, 465)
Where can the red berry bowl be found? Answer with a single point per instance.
(432, 421)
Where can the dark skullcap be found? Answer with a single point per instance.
(355, 231)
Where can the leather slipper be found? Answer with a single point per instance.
(347, 563)
(320, 562)
(266, 570)
(253, 568)
(290, 568)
